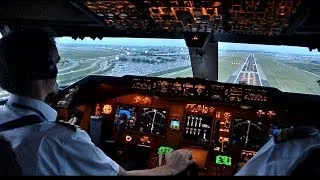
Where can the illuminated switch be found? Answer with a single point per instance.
(271, 114)
(218, 115)
(128, 138)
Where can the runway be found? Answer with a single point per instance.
(249, 73)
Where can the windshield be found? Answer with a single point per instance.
(290, 69)
(122, 56)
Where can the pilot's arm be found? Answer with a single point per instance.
(279, 158)
(73, 153)
(177, 161)
(77, 155)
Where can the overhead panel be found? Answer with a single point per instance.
(258, 17)
(165, 16)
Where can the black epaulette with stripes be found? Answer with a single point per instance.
(286, 134)
(73, 127)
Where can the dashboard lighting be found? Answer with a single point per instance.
(218, 115)
(260, 112)
(271, 113)
(142, 100)
(128, 138)
(199, 108)
(223, 160)
(226, 115)
(107, 109)
(145, 140)
(164, 150)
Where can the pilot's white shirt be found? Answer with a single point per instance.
(280, 159)
(51, 149)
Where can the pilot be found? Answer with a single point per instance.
(287, 153)
(28, 72)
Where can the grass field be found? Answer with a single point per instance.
(63, 63)
(187, 72)
(75, 75)
(228, 63)
(287, 77)
(310, 67)
(89, 53)
(78, 67)
(72, 77)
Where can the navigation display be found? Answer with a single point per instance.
(247, 133)
(153, 121)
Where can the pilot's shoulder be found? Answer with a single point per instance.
(293, 133)
(67, 132)
(68, 125)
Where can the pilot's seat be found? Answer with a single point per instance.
(8, 162)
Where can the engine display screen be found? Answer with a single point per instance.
(198, 128)
(126, 117)
(153, 121)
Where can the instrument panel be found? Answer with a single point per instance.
(218, 122)
(220, 136)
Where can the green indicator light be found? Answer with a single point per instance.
(164, 150)
(225, 160)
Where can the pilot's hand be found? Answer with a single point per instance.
(73, 120)
(179, 160)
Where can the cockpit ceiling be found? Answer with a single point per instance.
(268, 21)
(237, 16)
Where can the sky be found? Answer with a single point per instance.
(181, 43)
(126, 41)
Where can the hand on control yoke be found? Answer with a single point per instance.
(179, 160)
